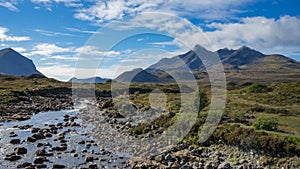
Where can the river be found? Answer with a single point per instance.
(82, 150)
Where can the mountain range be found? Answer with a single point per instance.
(243, 64)
(88, 80)
(13, 63)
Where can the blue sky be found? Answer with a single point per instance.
(112, 36)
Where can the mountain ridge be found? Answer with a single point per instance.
(13, 63)
(242, 64)
(96, 79)
(137, 75)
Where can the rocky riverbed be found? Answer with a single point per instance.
(24, 109)
(61, 139)
(214, 157)
(53, 140)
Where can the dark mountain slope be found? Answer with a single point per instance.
(13, 63)
(137, 75)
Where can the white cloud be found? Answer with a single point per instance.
(82, 31)
(183, 31)
(46, 49)
(93, 50)
(51, 33)
(60, 72)
(163, 43)
(41, 1)
(66, 72)
(5, 37)
(10, 5)
(261, 33)
(49, 3)
(103, 11)
(19, 49)
(258, 32)
(65, 57)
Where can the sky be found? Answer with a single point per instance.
(67, 38)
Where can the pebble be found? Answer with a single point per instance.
(20, 150)
(58, 166)
(15, 141)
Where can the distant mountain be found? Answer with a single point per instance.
(189, 59)
(137, 75)
(243, 64)
(13, 63)
(88, 80)
(239, 57)
(232, 58)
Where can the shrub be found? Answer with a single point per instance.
(265, 123)
(258, 88)
(238, 116)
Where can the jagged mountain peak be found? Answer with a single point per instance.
(5, 51)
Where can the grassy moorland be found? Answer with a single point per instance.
(14, 88)
(261, 116)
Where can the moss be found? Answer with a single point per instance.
(258, 88)
(266, 123)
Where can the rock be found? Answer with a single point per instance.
(12, 157)
(31, 139)
(89, 159)
(186, 166)
(81, 142)
(224, 165)
(20, 150)
(12, 134)
(169, 157)
(24, 165)
(191, 148)
(72, 118)
(47, 135)
(244, 166)
(93, 166)
(21, 117)
(196, 152)
(15, 141)
(73, 124)
(242, 161)
(38, 136)
(40, 160)
(35, 130)
(208, 165)
(60, 148)
(41, 152)
(195, 165)
(63, 141)
(58, 166)
(41, 166)
(158, 158)
(61, 137)
(40, 144)
(25, 127)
